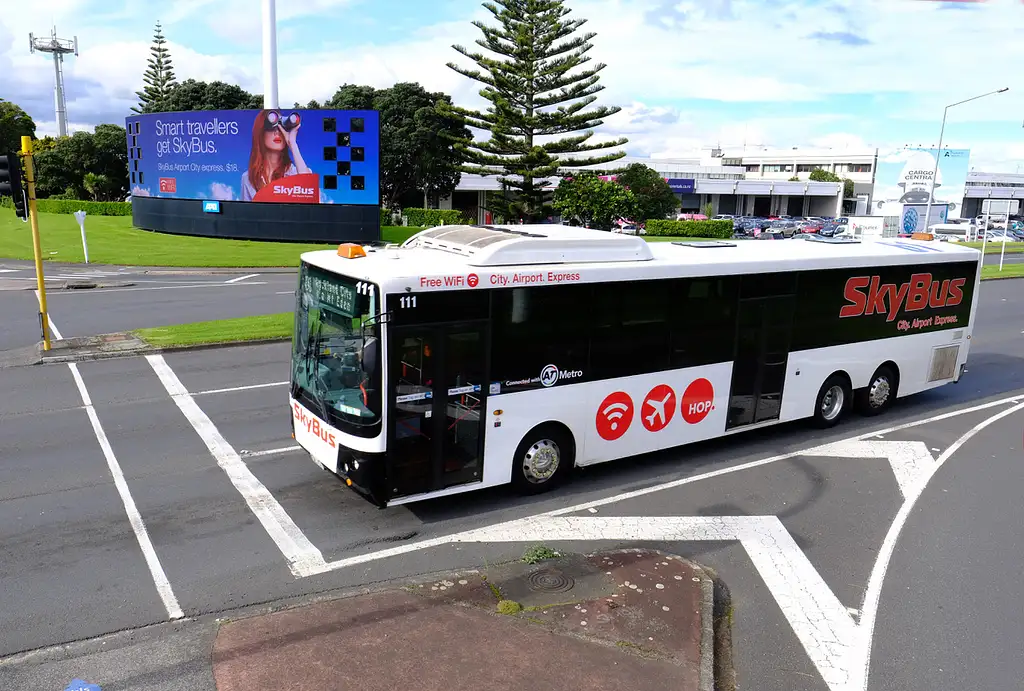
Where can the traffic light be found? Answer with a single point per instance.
(11, 184)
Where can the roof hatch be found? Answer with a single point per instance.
(531, 244)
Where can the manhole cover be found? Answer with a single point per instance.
(550, 581)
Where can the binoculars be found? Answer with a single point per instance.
(274, 118)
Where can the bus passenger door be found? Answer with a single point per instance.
(763, 337)
(437, 396)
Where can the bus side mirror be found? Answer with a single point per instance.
(371, 355)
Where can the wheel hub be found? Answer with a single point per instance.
(878, 394)
(832, 402)
(541, 461)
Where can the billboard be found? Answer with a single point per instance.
(904, 177)
(279, 155)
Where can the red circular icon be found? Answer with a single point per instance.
(658, 408)
(473, 280)
(614, 415)
(698, 400)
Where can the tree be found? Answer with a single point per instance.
(594, 202)
(195, 95)
(708, 210)
(654, 198)
(418, 135)
(822, 175)
(15, 123)
(538, 114)
(158, 77)
(848, 188)
(86, 165)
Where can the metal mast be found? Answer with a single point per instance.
(57, 47)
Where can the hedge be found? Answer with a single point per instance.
(428, 218)
(70, 206)
(689, 229)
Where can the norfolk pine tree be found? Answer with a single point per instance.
(158, 77)
(536, 95)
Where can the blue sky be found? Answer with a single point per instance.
(689, 74)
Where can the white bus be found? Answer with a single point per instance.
(474, 356)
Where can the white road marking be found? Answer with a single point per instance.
(910, 460)
(156, 570)
(285, 292)
(269, 452)
(8, 271)
(53, 327)
(240, 388)
(241, 278)
(303, 558)
(874, 590)
(399, 550)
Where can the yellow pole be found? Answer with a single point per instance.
(30, 178)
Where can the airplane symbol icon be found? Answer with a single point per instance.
(658, 409)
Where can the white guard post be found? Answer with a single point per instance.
(80, 217)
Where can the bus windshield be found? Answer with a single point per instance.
(336, 350)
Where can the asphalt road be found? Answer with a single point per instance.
(135, 298)
(71, 565)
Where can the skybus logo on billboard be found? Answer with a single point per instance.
(867, 295)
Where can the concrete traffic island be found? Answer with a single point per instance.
(630, 619)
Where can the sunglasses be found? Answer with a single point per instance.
(274, 118)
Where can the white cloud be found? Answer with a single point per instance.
(218, 190)
(913, 58)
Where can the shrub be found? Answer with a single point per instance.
(385, 216)
(428, 218)
(689, 229)
(70, 206)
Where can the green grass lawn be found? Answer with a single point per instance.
(1009, 271)
(113, 240)
(996, 247)
(220, 331)
(672, 238)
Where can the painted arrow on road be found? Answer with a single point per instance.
(910, 460)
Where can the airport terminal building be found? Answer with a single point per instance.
(765, 182)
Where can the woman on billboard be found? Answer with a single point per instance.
(275, 152)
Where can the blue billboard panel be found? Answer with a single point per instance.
(682, 185)
(277, 155)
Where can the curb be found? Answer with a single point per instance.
(716, 672)
(1000, 278)
(100, 355)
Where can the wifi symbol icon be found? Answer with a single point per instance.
(614, 415)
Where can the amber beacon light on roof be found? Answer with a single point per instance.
(350, 250)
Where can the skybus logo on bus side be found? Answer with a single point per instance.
(867, 295)
(313, 425)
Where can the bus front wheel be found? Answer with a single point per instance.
(832, 402)
(543, 460)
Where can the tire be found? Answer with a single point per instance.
(543, 460)
(832, 402)
(878, 395)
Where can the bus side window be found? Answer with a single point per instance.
(539, 326)
(703, 321)
(631, 332)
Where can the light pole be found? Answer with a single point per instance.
(938, 152)
(269, 54)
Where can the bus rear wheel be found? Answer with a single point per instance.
(832, 402)
(878, 395)
(543, 460)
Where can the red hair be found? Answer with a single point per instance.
(258, 156)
